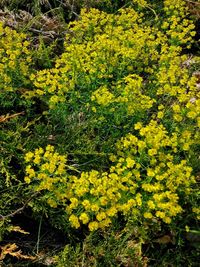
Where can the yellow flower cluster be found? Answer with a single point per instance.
(103, 47)
(140, 2)
(100, 196)
(165, 178)
(128, 92)
(15, 58)
(118, 65)
(102, 96)
(180, 29)
(52, 168)
(144, 182)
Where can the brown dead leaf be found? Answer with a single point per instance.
(11, 249)
(6, 117)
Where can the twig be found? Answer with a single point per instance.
(3, 217)
(195, 3)
(52, 34)
(4, 118)
(38, 236)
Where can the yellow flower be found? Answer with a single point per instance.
(74, 221)
(103, 200)
(151, 204)
(29, 156)
(186, 146)
(84, 218)
(30, 171)
(176, 108)
(160, 114)
(52, 203)
(148, 215)
(150, 172)
(94, 207)
(152, 152)
(111, 212)
(93, 226)
(138, 199)
(27, 179)
(167, 220)
(37, 159)
(74, 202)
(192, 114)
(187, 228)
(160, 214)
(177, 117)
(50, 148)
(101, 216)
(130, 162)
(86, 204)
(138, 126)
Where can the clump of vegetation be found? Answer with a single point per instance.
(101, 139)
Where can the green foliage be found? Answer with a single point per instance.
(104, 249)
(101, 138)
